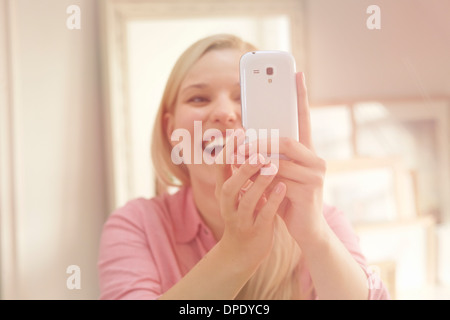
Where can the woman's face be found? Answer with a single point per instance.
(209, 93)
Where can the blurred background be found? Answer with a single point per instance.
(77, 108)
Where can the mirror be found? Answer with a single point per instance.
(138, 59)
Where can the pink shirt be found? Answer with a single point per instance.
(148, 245)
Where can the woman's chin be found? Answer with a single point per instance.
(203, 174)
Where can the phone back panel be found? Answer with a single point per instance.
(269, 101)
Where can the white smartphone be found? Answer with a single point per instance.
(269, 92)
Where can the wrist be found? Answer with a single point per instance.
(235, 261)
(315, 238)
(218, 275)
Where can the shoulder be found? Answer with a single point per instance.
(159, 208)
(135, 243)
(332, 214)
(337, 220)
(342, 227)
(141, 214)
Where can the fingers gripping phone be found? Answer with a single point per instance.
(269, 93)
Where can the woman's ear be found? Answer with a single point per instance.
(168, 126)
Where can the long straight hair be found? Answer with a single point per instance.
(278, 275)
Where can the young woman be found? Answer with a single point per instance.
(230, 232)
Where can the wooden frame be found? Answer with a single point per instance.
(436, 109)
(427, 224)
(115, 14)
(8, 258)
(365, 165)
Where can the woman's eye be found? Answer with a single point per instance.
(198, 100)
(236, 95)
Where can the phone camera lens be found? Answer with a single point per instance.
(269, 71)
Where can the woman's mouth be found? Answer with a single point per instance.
(214, 146)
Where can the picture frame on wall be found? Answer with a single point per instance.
(371, 190)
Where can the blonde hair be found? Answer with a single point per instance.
(277, 277)
(167, 173)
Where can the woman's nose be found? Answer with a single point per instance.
(225, 111)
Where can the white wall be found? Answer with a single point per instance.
(408, 57)
(58, 155)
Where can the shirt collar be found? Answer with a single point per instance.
(185, 216)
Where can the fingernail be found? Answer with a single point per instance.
(261, 158)
(279, 188)
(253, 160)
(256, 159)
(270, 170)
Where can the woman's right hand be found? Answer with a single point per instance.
(249, 217)
(248, 213)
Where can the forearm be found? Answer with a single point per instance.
(334, 271)
(218, 276)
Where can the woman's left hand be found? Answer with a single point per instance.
(303, 174)
(334, 271)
